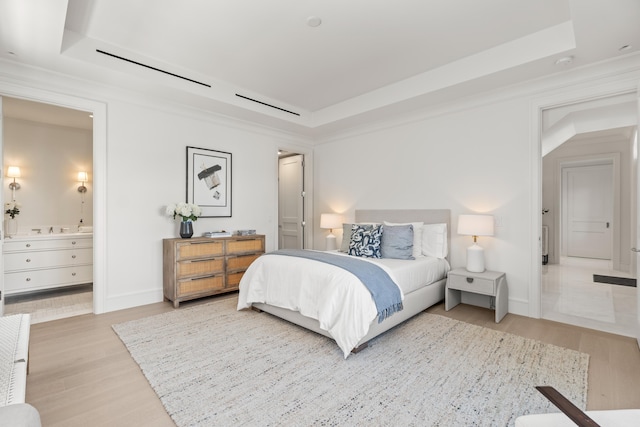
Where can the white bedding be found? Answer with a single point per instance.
(336, 298)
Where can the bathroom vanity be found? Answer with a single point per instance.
(44, 261)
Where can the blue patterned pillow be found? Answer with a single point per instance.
(365, 240)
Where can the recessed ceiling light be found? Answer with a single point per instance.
(565, 60)
(625, 47)
(314, 21)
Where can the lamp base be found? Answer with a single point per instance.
(475, 259)
(331, 242)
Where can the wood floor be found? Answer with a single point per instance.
(81, 374)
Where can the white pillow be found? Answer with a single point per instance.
(434, 240)
(417, 236)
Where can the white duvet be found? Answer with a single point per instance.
(336, 298)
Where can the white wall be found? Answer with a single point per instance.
(472, 160)
(147, 170)
(49, 158)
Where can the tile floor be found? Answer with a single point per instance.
(569, 295)
(52, 305)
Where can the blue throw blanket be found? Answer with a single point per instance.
(384, 291)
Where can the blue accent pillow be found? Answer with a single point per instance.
(365, 241)
(397, 242)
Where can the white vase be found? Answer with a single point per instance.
(10, 227)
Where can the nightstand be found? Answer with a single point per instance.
(493, 284)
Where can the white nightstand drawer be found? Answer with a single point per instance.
(472, 284)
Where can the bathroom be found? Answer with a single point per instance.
(53, 149)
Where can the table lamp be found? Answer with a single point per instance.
(330, 221)
(475, 225)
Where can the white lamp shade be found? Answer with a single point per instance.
(328, 220)
(82, 177)
(13, 172)
(475, 225)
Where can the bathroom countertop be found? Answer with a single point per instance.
(47, 236)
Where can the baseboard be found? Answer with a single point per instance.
(134, 299)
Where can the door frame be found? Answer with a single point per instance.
(590, 160)
(99, 111)
(621, 86)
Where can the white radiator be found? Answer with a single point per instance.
(545, 244)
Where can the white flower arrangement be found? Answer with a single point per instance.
(187, 211)
(12, 209)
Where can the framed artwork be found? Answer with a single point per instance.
(209, 181)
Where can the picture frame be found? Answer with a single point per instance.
(209, 181)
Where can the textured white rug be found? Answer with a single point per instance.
(213, 365)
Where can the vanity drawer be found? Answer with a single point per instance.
(25, 281)
(472, 284)
(46, 243)
(47, 259)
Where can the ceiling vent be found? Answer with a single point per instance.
(268, 105)
(131, 61)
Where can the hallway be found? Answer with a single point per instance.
(569, 295)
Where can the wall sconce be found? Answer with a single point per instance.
(330, 221)
(13, 172)
(475, 225)
(82, 177)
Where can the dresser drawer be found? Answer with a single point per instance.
(244, 246)
(47, 259)
(241, 262)
(201, 285)
(233, 279)
(471, 284)
(25, 281)
(200, 267)
(199, 250)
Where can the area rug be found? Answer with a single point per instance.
(212, 365)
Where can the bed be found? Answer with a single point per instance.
(316, 295)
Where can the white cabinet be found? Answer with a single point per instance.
(38, 263)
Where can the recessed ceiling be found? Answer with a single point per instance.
(366, 56)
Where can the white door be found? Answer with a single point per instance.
(291, 202)
(587, 210)
(2, 295)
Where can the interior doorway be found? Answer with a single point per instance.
(588, 208)
(53, 144)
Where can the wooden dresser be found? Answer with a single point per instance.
(203, 266)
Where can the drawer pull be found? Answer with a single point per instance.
(73, 256)
(73, 243)
(28, 260)
(73, 274)
(28, 279)
(469, 279)
(28, 245)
